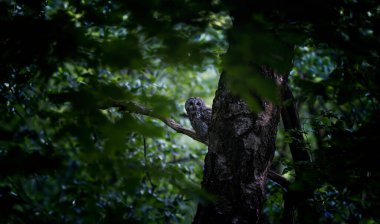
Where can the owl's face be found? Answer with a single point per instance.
(194, 104)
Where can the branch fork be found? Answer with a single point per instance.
(133, 107)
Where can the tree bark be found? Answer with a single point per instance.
(241, 148)
(133, 107)
(296, 198)
(292, 124)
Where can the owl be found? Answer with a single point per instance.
(199, 115)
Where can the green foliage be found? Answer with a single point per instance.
(272, 211)
(66, 157)
(340, 120)
(333, 81)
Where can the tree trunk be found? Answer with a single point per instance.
(297, 197)
(241, 148)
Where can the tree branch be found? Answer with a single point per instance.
(283, 182)
(138, 109)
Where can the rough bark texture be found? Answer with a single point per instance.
(241, 148)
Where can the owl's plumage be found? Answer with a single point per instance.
(199, 115)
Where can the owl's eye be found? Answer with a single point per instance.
(191, 103)
(198, 104)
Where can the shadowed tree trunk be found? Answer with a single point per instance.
(296, 198)
(242, 143)
(241, 148)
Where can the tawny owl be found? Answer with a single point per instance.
(199, 115)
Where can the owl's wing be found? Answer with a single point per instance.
(206, 114)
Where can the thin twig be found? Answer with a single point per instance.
(18, 100)
(146, 165)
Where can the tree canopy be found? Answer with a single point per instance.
(69, 154)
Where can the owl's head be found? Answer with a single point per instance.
(194, 104)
